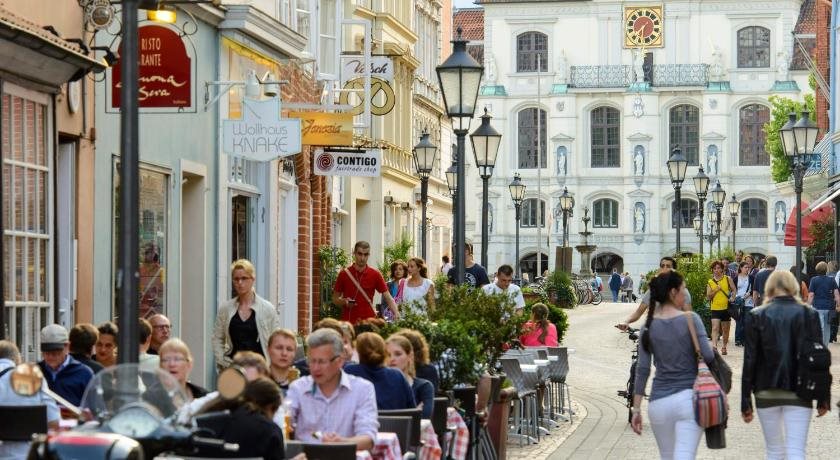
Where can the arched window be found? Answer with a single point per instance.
(605, 128)
(528, 46)
(527, 122)
(530, 213)
(605, 213)
(754, 213)
(684, 129)
(753, 47)
(688, 210)
(751, 135)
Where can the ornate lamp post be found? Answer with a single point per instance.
(798, 141)
(517, 194)
(485, 142)
(734, 206)
(714, 230)
(459, 77)
(452, 183)
(677, 164)
(424, 159)
(701, 187)
(718, 198)
(567, 203)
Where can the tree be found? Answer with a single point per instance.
(780, 169)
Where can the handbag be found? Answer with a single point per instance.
(710, 406)
(735, 307)
(813, 379)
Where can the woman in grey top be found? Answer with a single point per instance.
(666, 338)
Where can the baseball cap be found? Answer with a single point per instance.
(53, 337)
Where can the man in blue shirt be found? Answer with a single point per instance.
(66, 376)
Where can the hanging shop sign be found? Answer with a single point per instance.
(382, 97)
(348, 163)
(261, 134)
(320, 128)
(381, 67)
(166, 71)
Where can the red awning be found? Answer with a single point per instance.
(819, 214)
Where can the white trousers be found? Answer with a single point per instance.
(672, 420)
(785, 431)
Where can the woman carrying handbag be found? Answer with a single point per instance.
(666, 341)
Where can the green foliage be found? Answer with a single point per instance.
(696, 272)
(332, 260)
(559, 289)
(780, 169)
(400, 250)
(822, 232)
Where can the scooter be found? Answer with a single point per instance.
(127, 414)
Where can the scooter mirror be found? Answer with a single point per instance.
(26, 379)
(231, 383)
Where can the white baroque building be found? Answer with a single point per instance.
(611, 113)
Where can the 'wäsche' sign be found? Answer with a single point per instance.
(358, 164)
(261, 134)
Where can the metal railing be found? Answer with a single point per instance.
(680, 75)
(620, 76)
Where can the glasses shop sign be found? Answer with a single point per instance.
(261, 134)
(364, 163)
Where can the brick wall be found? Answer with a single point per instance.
(313, 203)
(823, 58)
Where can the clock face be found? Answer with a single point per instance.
(643, 26)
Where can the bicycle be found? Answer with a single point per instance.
(627, 393)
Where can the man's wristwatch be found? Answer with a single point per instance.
(636, 410)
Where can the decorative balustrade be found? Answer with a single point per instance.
(680, 75)
(621, 76)
(398, 159)
(601, 76)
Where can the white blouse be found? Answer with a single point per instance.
(414, 297)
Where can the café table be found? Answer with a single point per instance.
(386, 447)
(430, 446)
(455, 422)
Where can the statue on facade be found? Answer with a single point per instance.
(639, 218)
(782, 66)
(716, 66)
(712, 160)
(490, 214)
(639, 160)
(561, 161)
(639, 65)
(781, 216)
(561, 75)
(490, 68)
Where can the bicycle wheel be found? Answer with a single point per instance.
(631, 383)
(596, 298)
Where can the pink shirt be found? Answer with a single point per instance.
(531, 337)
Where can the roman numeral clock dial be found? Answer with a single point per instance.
(643, 26)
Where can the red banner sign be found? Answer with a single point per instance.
(165, 68)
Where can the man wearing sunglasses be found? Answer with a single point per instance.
(666, 264)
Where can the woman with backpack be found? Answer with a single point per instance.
(777, 335)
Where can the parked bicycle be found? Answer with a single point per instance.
(585, 293)
(627, 393)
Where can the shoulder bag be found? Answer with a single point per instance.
(710, 406)
(359, 288)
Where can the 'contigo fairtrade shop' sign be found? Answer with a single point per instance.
(165, 70)
(320, 128)
(350, 163)
(261, 134)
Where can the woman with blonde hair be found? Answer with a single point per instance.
(282, 346)
(422, 366)
(775, 333)
(245, 322)
(401, 356)
(177, 360)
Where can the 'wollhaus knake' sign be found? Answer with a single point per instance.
(165, 79)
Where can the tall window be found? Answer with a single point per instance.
(754, 213)
(605, 138)
(751, 142)
(753, 47)
(303, 12)
(605, 213)
(527, 122)
(327, 37)
(528, 46)
(687, 212)
(530, 213)
(684, 131)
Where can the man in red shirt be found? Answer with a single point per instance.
(356, 285)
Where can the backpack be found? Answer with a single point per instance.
(813, 379)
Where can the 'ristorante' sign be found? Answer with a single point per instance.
(165, 67)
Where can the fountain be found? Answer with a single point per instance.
(585, 249)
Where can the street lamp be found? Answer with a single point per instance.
(567, 203)
(425, 154)
(734, 207)
(677, 164)
(718, 198)
(798, 140)
(459, 77)
(517, 194)
(485, 142)
(714, 231)
(701, 187)
(452, 184)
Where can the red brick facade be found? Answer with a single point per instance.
(313, 203)
(823, 58)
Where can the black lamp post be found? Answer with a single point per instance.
(452, 183)
(701, 187)
(798, 141)
(567, 203)
(424, 159)
(677, 164)
(460, 77)
(485, 142)
(718, 198)
(517, 194)
(734, 206)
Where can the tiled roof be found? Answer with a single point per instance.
(17, 22)
(471, 21)
(807, 21)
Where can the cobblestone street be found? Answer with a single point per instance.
(599, 367)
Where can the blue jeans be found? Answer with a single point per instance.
(825, 323)
(615, 295)
(740, 325)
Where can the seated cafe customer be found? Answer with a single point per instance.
(330, 405)
(392, 389)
